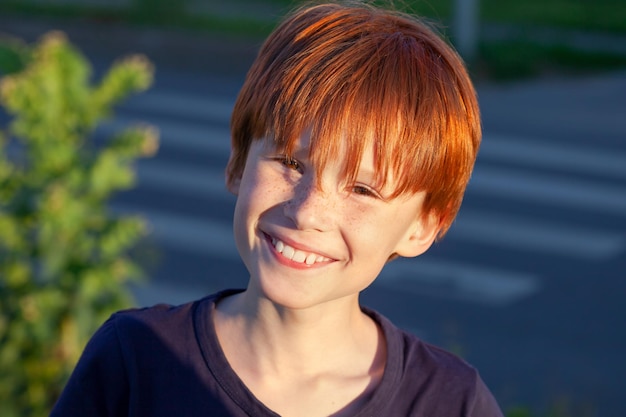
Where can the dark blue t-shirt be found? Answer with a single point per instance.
(166, 361)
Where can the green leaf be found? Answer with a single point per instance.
(63, 257)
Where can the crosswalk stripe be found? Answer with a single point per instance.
(535, 236)
(176, 135)
(176, 176)
(172, 103)
(527, 186)
(535, 153)
(200, 236)
(448, 279)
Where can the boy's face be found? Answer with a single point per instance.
(305, 245)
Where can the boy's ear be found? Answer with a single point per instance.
(233, 185)
(420, 237)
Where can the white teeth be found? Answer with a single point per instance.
(297, 255)
(288, 252)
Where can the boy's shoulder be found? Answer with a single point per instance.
(414, 362)
(162, 318)
(423, 379)
(415, 351)
(136, 353)
(167, 322)
(159, 316)
(148, 337)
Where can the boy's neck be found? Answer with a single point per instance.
(322, 361)
(278, 340)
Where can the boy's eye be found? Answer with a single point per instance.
(290, 163)
(363, 190)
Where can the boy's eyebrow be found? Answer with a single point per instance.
(370, 177)
(299, 152)
(366, 174)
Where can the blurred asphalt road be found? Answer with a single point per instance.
(528, 286)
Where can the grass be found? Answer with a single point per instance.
(597, 15)
(496, 61)
(505, 61)
(141, 16)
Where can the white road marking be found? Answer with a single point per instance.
(534, 236)
(200, 236)
(459, 281)
(190, 179)
(172, 103)
(527, 186)
(176, 135)
(533, 153)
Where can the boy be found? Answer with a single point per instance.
(353, 139)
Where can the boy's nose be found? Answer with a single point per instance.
(311, 208)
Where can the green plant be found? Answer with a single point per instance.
(14, 54)
(63, 255)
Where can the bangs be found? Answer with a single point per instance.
(361, 78)
(388, 100)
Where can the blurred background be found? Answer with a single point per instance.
(528, 286)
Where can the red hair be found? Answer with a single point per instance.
(358, 75)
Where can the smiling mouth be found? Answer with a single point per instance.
(296, 255)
